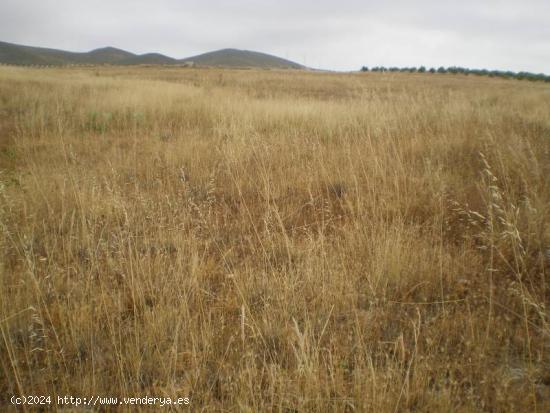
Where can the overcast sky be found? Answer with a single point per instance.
(337, 34)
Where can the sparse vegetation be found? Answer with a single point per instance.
(280, 241)
(456, 70)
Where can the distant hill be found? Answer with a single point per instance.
(108, 55)
(148, 59)
(242, 58)
(26, 55)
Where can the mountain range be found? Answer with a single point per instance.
(27, 55)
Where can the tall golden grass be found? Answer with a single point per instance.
(275, 240)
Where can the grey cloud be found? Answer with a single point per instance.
(341, 35)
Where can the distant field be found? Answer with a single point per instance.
(283, 241)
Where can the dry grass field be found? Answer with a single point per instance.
(283, 241)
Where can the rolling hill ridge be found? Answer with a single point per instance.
(15, 54)
(241, 58)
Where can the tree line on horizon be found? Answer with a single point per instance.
(462, 70)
